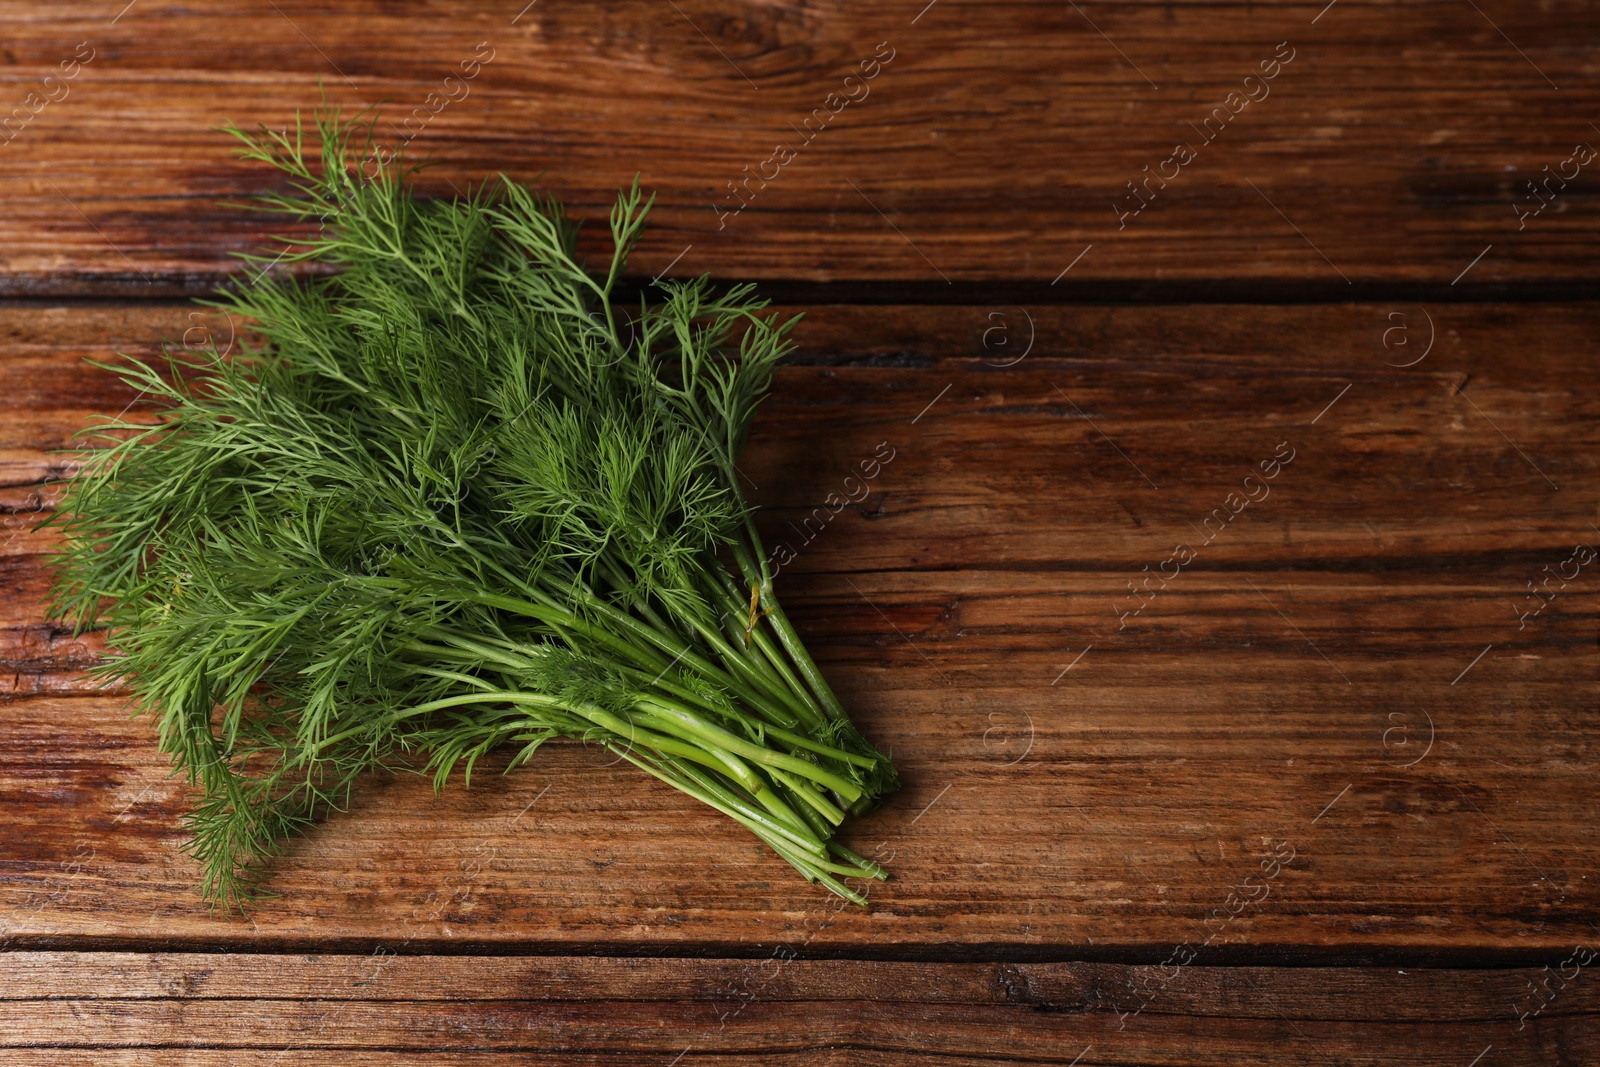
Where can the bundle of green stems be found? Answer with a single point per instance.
(454, 497)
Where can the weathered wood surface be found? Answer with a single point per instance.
(1281, 803)
(1340, 677)
(208, 1008)
(994, 141)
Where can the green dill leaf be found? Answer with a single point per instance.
(454, 501)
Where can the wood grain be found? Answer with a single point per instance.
(1276, 696)
(995, 142)
(204, 1008)
(1324, 793)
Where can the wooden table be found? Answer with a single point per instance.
(1199, 770)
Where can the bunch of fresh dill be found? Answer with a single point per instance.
(456, 499)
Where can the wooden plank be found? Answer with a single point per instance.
(1338, 678)
(575, 1010)
(993, 142)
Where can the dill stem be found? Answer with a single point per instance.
(531, 653)
(872, 869)
(819, 825)
(770, 657)
(637, 602)
(742, 663)
(560, 618)
(799, 741)
(460, 653)
(666, 713)
(707, 791)
(703, 749)
(781, 625)
(443, 703)
(815, 800)
(788, 712)
(696, 749)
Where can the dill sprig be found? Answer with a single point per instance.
(455, 499)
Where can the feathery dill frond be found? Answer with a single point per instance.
(453, 501)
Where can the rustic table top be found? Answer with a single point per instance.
(1198, 770)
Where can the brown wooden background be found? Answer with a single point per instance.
(1346, 673)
